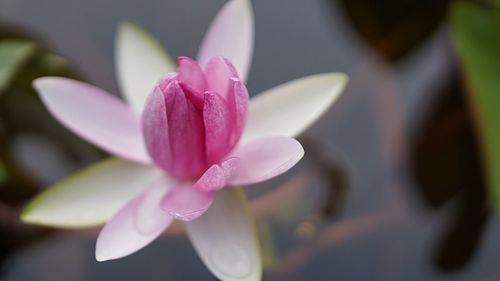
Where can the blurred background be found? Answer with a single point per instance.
(401, 178)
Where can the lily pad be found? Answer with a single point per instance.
(476, 30)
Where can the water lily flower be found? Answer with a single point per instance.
(187, 139)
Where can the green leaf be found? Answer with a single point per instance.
(476, 34)
(13, 55)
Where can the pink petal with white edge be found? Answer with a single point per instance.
(231, 35)
(95, 115)
(265, 158)
(135, 225)
(187, 203)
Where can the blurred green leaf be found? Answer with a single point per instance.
(476, 34)
(13, 55)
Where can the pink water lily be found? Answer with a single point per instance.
(189, 135)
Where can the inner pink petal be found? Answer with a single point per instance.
(186, 133)
(212, 180)
(216, 177)
(237, 102)
(218, 72)
(218, 127)
(173, 130)
(191, 74)
(155, 130)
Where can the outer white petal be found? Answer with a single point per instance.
(91, 196)
(231, 35)
(225, 238)
(289, 109)
(136, 225)
(140, 62)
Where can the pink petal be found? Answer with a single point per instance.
(212, 180)
(231, 35)
(186, 133)
(217, 127)
(155, 129)
(135, 225)
(191, 74)
(265, 158)
(173, 131)
(186, 202)
(216, 176)
(224, 120)
(230, 167)
(95, 115)
(219, 72)
(238, 102)
(196, 97)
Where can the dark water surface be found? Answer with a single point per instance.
(352, 210)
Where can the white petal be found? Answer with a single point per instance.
(91, 196)
(231, 35)
(289, 109)
(225, 237)
(140, 63)
(135, 225)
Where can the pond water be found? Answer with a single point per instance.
(354, 209)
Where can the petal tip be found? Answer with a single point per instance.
(339, 81)
(40, 83)
(127, 25)
(102, 256)
(342, 78)
(30, 214)
(37, 83)
(26, 216)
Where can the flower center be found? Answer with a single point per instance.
(194, 117)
